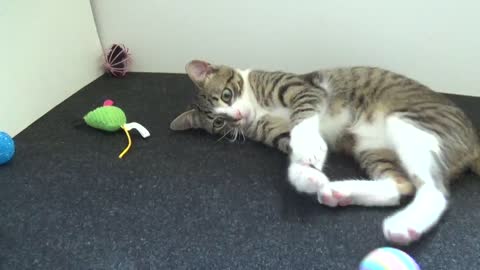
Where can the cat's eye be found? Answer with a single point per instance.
(218, 123)
(227, 95)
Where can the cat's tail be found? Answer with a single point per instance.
(476, 163)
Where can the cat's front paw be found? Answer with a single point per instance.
(305, 178)
(308, 149)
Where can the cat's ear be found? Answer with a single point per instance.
(184, 121)
(198, 71)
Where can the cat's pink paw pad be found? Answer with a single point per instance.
(337, 195)
(333, 198)
(327, 200)
(398, 238)
(345, 202)
(413, 234)
(396, 232)
(403, 239)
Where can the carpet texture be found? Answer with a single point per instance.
(186, 201)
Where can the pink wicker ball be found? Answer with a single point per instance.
(117, 60)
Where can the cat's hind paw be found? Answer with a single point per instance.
(399, 230)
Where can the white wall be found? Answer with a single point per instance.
(435, 41)
(50, 49)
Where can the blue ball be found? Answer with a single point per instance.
(7, 148)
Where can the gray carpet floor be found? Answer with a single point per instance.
(186, 201)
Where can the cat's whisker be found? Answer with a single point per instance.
(231, 136)
(224, 135)
(235, 135)
(243, 136)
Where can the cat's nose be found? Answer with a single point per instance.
(238, 115)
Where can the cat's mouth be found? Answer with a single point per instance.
(241, 123)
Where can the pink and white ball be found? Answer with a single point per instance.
(387, 258)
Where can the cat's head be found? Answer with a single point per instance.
(219, 106)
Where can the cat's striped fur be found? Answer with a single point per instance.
(407, 137)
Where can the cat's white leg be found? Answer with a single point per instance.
(387, 183)
(419, 152)
(383, 192)
(417, 218)
(306, 143)
(306, 179)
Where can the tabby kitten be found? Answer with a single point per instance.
(409, 139)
